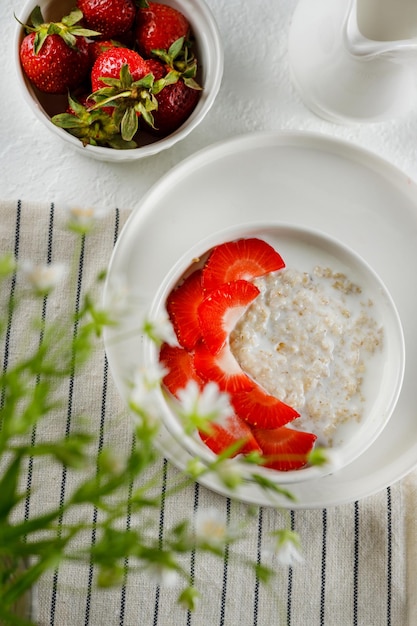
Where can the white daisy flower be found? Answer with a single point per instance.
(208, 403)
(159, 329)
(328, 458)
(43, 278)
(119, 297)
(163, 575)
(229, 473)
(142, 395)
(84, 218)
(285, 546)
(210, 526)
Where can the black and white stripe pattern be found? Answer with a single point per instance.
(354, 566)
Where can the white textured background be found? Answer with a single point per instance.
(256, 94)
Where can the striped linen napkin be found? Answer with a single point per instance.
(355, 556)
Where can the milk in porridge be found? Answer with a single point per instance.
(308, 339)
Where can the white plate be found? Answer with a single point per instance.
(300, 178)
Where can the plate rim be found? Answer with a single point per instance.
(202, 158)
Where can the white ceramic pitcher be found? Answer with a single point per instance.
(355, 60)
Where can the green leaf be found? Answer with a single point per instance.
(145, 82)
(36, 17)
(69, 39)
(267, 484)
(39, 40)
(27, 579)
(176, 47)
(263, 574)
(192, 84)
(189, 598)
(66, 120)
(126, 79)
(10, 533)
(9, 486)
(7, 265)
(148, 118)
(72, 18)
(10, 618)
(129, 125)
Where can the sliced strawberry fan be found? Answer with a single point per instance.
(262, 410)
(221, 368)
(231, 430)
(284, 448)
(180, 364)
(204, 309)
(221, 309)
(243, 259)
(182, 306)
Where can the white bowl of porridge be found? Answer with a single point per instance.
(312, 359)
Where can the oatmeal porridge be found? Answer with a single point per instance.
(307, 339)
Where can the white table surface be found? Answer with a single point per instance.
(35, 165)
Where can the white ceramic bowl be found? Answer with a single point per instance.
(303, 249)
(209, 52)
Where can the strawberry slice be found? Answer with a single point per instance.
(182, 305)
(284, 448)
(227, 432)
(243, 259)
(222, 368)
(260, 409)
(220, 310)
(181, 368)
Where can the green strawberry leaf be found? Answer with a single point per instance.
(192, 84)
(126, 79)
(36, 17)
(129, 125)
(148, 118)
(145, 83)
(176, 48)
(67, 120)
(39, 40)
(72, 18)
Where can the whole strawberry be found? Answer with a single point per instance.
(158, 26)
(176, 90)
(94, 127)
(54, 56)
(109, 63)
(112, 18)
(176, 102)
(123, 86)
(99, 46)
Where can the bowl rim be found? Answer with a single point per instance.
(243, 230)
(195, 12)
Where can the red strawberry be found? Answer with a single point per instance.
(229, 431)
(95, 48)
(122, 86)
(158, 26)
(179, 93)
(54, 56)
(221, 309)
(157, 68)
(111, 18)
(180, 364)
(91, 126)
(110, 62)
(242, 259)
(285, 448)
(260, 409)
(175, 104)
(221, 368)
(182, 305)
